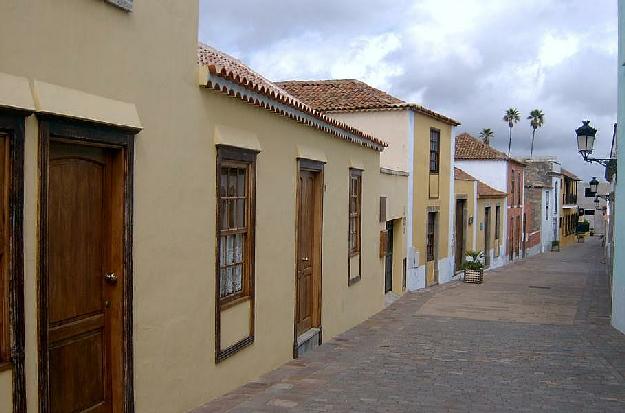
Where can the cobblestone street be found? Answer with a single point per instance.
(534, 337)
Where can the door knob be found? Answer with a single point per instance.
(305, 259)
(110, 278)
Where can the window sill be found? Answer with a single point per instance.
(353, 281)
(5, 365)
(233, 301)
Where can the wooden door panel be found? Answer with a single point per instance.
(75, 238)
(72, 390)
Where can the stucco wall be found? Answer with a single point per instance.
(148, 57)
(495, 250)
(618, 282)
(468, 189)
(492, 172)
(391, 126)
(422, 200)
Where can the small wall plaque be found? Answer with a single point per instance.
(122, 4)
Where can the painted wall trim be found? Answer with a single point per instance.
(75, 104)
(15, 93)
(238, 138)
(313, 154)
(207, 80)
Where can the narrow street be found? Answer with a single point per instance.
(534, 337)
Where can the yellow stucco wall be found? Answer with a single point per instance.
(483, 203)
(148, 58)
(392, 126)
(467, 190)
(421, 198)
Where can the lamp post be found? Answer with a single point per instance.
(586, 135)
(594, 186)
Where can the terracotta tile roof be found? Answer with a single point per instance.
(485, 191)
(224, 66)
(569, 174)
(351, 95)
(461, 175)
(469, 147)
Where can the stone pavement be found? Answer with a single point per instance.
(534, 337)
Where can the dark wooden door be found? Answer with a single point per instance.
(511, 239)
(305, 251)
(487, 237)
(460, 249)
(388, 261)
(82, 304)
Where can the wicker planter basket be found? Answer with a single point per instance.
(474, 276)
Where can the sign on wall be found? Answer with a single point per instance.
(124, 4)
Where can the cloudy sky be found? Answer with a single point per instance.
(469, 59)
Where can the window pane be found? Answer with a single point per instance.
(224, 215)
(241, 183)
(238, 248)
(240, 215)
(222, 282)
(231, 214)
(232, 182)
(223, 182)
(237, 278)
(230, 250)
(222, 251)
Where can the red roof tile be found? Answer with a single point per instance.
(469, 147)
(461, 175)
(351, 95)
(224, 66)
(485, 191)
(569, 174)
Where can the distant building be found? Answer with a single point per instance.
(504, 174)
(421, 148)
(542, 194)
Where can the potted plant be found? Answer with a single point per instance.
(473, 267)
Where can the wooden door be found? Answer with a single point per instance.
(431, 265)
(388, 260)
(511, 239)
(487, 237)
(84, 307)
(308, 283)
(460, 243)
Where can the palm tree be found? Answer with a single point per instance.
(537, 120)
(512, 116)
(486, 134)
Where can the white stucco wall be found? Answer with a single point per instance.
(493, 173)
(618, 282)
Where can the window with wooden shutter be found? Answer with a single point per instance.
(354, 228)
(435, 148)
(235, 223)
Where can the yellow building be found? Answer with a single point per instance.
(479, 220)
(420, 146)
(569, 209)
(185, 226)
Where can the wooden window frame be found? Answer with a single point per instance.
(497, 221)
(355, 249)
(52, 128)
(13, 335)
(227, 156)
(435, 152)
(430, 237)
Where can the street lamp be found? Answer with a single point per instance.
(586, 141)
(594, 185)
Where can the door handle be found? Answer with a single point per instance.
(110, 278)
(305, 259)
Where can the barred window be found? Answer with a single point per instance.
(235, 222)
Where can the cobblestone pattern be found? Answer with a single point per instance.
(401, 360)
